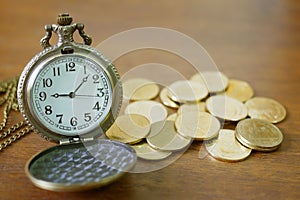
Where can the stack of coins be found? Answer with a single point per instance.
(197, 109)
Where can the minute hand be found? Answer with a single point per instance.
(82, 82)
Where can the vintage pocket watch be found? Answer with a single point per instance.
(70, 94)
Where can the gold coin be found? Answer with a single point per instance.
(167, 139)
(152, 110)
(146, 152)
(199, 106)
(172, 117)
(197, 125)
(214, 80)
(198, 78)
(227, 108)
(239, 90)
(140, 89)
(115, 133)
(258, 134)
(266, 109)
(166, 100)
(187, 91)
(156, 128)
(226, 147)
(134, 125)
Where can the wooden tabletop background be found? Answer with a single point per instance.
(252, 40)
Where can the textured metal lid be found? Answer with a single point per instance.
(81, 166)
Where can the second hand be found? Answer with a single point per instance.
(83, 95)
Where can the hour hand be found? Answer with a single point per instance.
(56, 95)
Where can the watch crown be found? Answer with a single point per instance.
(64, 19)
(64, 29)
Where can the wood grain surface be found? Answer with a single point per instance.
(252, 40)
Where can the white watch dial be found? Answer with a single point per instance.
(71, 95)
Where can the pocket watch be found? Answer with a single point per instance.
(70, 93)
(67, 90)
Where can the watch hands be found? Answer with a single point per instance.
(83, 95)
(56, 95)
(82, 82)
(72, 94)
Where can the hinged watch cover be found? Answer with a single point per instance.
(80, 166)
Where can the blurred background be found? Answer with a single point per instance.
(239, 35)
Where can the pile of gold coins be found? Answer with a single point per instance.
(198, 108)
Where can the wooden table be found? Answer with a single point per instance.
(252, 40)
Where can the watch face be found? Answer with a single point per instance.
(70, 95)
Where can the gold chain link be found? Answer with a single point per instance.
(9, 100)
(12, 129)
(14, 137)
